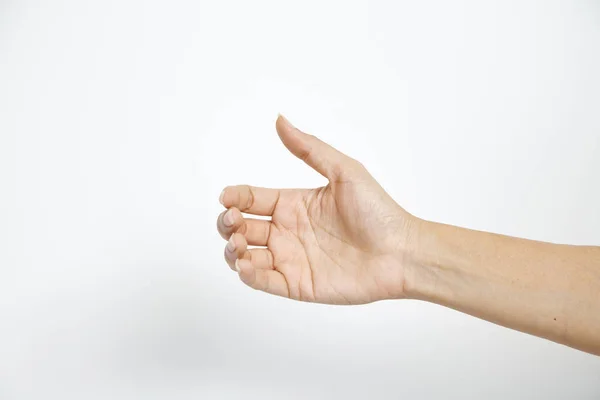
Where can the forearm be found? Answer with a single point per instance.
(545, 289)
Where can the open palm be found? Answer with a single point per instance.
(337, 244)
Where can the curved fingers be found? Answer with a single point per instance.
(266, 280)
(256, 231)
(250, 199)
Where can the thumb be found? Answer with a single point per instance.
(320, 156)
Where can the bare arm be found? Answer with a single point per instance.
(544, 289)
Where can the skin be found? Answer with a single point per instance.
(349, 242)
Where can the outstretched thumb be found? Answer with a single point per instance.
(320, 156)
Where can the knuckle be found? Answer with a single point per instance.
(247, 189)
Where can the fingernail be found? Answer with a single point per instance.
(222, 197)
(230, 245)
(228, 218)
(286, 121)
(237, 265)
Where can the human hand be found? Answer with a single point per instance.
(348, 242)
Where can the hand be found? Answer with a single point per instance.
(344, 243)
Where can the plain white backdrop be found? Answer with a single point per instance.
(121, 121)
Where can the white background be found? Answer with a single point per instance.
(121, 121)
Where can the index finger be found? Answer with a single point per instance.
(250, 199)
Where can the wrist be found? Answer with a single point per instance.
(417, 260)
(405, 261)
(437, 266)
